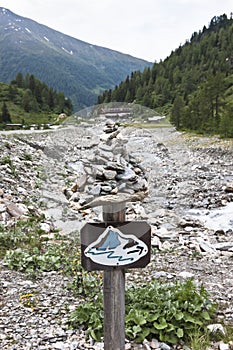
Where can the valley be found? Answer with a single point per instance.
(51, 174)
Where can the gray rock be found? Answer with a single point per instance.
(164, 346)
(223, 246)
(127, 175)
(115, 166)
(223, 346)
(207, 247)
(106, 188)
(14, 210)
(95, 191)
(109, 174)
(2, 208)
(86, 199)
(186, 274)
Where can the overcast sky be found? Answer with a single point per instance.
(148, 29)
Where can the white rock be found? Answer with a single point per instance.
(155, 242)
(223, 346)
(45, 227)
(186, 274)
(216, 327)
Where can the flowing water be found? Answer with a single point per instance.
(215, 219)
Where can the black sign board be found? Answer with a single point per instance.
(117, 244)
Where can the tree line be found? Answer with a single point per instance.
(33, 96)
(193, 86)
(38, 96)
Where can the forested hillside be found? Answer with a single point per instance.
(27, 100)
(193, 86)
(81, 70)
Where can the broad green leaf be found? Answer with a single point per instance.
(179, 316)
(189, 318)
(161, 325)
(180, 332)
(136, 329)
(205, 315)
(94, 335)
(152, 317)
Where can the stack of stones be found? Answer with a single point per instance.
(110, 126)
(111, 171)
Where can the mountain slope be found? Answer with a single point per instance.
(79, 69)
(194, 85)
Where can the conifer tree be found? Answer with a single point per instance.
(5, 115)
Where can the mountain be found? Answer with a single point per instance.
(194, 85)
(79, 69)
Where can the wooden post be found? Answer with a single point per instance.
(114, 291)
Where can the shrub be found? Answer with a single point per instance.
(170, 312)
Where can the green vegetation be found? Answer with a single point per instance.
(193, 86)
(26, 100)
(168, 312)
(25, 247)
(172, 312)
(80, 70)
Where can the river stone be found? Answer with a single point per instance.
(127, 175)
(137, 170)
(95, 191)
(75, 197)
(207, 247)
(114, 190)
(229, 188)
(140, 185)
(2, 208)
(186, 274)
(45, 227)
(81, 182)
(77, 166)
(164, 346)
(14, 210)
(223, 346)
(106, 188)
(119, 168)
(86, 199)
(109, 174)
(105, 147)
(223, 245)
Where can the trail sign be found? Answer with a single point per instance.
(118, 244)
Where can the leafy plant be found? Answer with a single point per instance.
(34, 260)
(170, 312)
(26, 248)
(6, 160)
(23, 233)
(27, 156)
(90, 315)
(87, 284)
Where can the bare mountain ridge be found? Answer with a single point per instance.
(79, 69)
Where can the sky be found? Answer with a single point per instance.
(147, 29)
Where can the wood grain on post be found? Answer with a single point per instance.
(114, 291)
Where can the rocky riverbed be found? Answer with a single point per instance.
(181, 185)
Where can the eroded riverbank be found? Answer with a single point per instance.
(183, 173)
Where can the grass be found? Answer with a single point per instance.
(146, 125)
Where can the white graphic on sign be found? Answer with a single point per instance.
(113, 248)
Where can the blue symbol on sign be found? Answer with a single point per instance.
(113, 248)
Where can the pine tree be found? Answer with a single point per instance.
(226, 123)
(177, 111)
(19, 80)
(5, 115)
